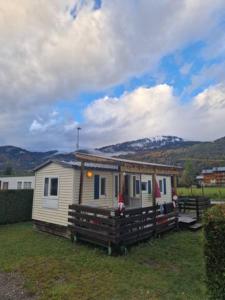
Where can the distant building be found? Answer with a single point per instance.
(17, 182)
(212, 177)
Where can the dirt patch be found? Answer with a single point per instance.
(12, 287)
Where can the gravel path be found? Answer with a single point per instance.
(11, 287)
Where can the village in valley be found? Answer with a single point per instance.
(112, 150)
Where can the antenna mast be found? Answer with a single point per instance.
(78, 136)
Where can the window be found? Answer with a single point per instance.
(137, 186)
(51, 192)
(5, 186)
(103, 187)
(164, 186)
(27, 185)
(51, 187)
(116, 185)
(19, 185)
(149, 187)
(144, 186)
(99, 186)
(54, 187)
(160, 186)
(46, 184)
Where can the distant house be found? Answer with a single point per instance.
(96, 181)
(16, 182)
(212, 177)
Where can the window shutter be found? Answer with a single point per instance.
(161, 185)
(96, 187)
(149, 187)
(134, 186)
(137, 187)
(164, 186)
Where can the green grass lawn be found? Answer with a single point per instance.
(217, 193)
(54, 268)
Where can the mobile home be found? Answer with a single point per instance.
(96, 181)
(16, 182)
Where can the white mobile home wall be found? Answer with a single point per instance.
(13, 181)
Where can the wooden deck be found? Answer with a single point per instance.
(115, 230)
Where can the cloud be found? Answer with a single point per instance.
(49, 55)
(52, 50)
(154, 111)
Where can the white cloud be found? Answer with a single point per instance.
(46, 56)
(156, 111)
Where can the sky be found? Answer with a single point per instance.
(121, 70)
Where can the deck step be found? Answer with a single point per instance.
(187, 220)
(195, 226)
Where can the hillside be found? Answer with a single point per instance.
(203, 155)
(22, 161)
(165, 149)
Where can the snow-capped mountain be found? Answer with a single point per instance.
(158, 142)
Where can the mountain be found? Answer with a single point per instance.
(163, 149)
(158, 142)
(202, 155)
(22, 161)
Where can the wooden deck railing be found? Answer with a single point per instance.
(195, 204)
(112, 229)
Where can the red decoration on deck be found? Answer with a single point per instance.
(157, 190)
(121, 205)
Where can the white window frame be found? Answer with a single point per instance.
(26, 183)
(100, 186)
(5, 183)
(49, 197)
(21, 185)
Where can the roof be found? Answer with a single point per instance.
(16, 176)
(215, 169)
(118, 161)
(76, 165)
(126, 165)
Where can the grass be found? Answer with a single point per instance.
(54, 268)
(217, 193)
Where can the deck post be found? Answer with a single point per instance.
(121, 183)
(175, 184)
(153, 189)
(154, 200)
(197, 209)
(140, 192)
(81, 182)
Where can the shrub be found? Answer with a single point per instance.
(214, 249)
(15, 206)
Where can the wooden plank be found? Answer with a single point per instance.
(90, 209)
(108, 221)
(81, 182)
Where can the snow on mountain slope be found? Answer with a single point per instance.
(144, 144)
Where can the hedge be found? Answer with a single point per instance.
(15, 206)
(214, 250)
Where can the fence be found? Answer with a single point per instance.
(197, 205)
(15, 206)
(114, 230)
